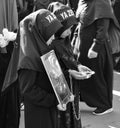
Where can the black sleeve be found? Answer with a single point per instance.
(101, 34)
(65, 55)
(4, 61)
(31, 92)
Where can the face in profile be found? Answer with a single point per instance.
(66, 33)
(50, 40)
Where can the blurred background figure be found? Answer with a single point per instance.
(8, 101)
(96, 52)
(116, 57)
(73, 4)
(116, 7)
(38, 4)
(62, 46)
(25, 7)
(38, 96)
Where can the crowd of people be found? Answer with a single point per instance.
(84, 37)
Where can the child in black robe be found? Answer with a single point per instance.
(62, 45)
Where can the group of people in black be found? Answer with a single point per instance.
(45, 25)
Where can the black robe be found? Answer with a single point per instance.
(71, 118)
(97, 91)
(39, 99)
(9, 99)
(116, 8)
(9, 107)
(37, 95)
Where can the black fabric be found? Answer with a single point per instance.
(10, 107)
(9, 111)
(93, 10)
(116, 60)
(36, 117)
(39, 4)
(35, 89)
(11, 71)
(97, 90)
(67, 61)
(116, 9)
(9, 100)
(29, 46)
(68, 119)
(74, 4)
(39, 99)
(32, 91)
(34, 39)
(64, 52)
(90, 11)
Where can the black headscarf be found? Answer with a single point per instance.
(31, 43)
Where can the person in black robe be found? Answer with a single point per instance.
(116, 57)
(116, 7)
(39, 4)
(27, 68)
(38, 96)
(71, 118)
(9, 100)
(96, 17)
(24, 7)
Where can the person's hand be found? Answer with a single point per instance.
(61, 107)
(91, 53)
(86, 70)
(77, 75)
(72, 98)
(83, 68)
